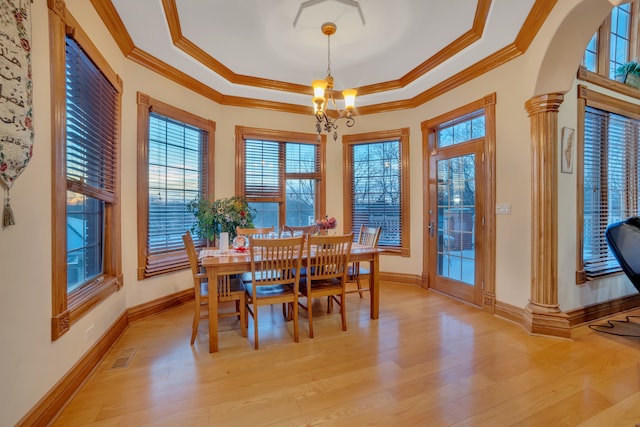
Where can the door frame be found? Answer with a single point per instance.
(487, 104)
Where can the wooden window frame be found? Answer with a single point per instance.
(243, 133)
(604, 40)
(146, 105)
(429, 129)
(590, 98)
(67, 308)
(348, 141)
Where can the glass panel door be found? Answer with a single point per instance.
(456, 218)
(455, 222)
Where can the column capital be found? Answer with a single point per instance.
(544, 103)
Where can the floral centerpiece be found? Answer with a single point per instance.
(327, 223)
(222, 215)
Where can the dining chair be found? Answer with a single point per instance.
(327, 261)
(368, 236)
(229, 289)
(274, 278)
(304, 229)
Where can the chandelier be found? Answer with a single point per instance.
(323, 95)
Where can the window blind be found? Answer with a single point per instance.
(264, 171)
(611, 170)
(177, 176)
(92, 123)
(92, 126)
(376, 190)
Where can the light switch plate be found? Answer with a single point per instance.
(503, 208)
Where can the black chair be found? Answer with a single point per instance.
(623, 239)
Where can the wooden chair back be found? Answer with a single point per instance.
(256, 232)
(275, 261)
(369, 236)
(193, 262)
(305, 229)
(328, 257)
(275, 278)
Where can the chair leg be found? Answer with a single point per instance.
(242, 309)
(310, 312)
(294, 310)
(255, 325)
(359, 287)
(196, 323)
(343, 311)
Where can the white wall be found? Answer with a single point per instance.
(32, 364)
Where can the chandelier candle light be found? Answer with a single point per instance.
(323, 94)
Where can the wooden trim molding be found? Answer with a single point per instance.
(47, 408)
(142, 311)
(164, 263)
(348, 141)
(68, 307)
(45, 411)
(487, 238)
(400, 278)
(243, 133)
(534, 21)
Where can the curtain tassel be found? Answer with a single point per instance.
(7, 215)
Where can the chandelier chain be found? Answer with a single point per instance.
(329, 55)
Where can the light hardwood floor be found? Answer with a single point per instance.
(428, 361)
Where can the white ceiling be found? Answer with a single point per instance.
(257, 38)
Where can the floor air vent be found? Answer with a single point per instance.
(124, 358)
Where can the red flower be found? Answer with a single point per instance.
(3, 167)
(242, 214)
(25, 44)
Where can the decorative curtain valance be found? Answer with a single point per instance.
(16, 113)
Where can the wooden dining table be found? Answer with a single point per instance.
(233, 262)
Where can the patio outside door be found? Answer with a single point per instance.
(456, 224)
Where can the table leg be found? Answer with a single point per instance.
(374, 288)
(212, 278)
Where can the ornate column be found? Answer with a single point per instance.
(543, 314)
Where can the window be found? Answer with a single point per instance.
(615, 42)
(175, 165)
(377, 186)
(86, 96)
(609, 177)
(281, 174)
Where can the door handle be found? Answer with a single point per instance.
(431, 228)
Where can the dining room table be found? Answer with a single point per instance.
(219, 263)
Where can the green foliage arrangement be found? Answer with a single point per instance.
(222, 215)
(629, 74)
(631, 67)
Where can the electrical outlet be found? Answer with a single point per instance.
(503, 208)
(90, 333)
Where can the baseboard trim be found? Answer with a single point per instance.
(509, 312)
(402, 279)
(580, 316)
(159, 305)
(48, 408)
(52, 403)
(561, 324)
(45, 411)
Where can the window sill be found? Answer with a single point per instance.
(83, 300)
(602, 81)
